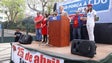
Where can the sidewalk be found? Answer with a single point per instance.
(13, 31)
(10, 33)
(5, 52)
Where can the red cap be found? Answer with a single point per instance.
(89, 5)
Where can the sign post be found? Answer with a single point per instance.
(2, 32)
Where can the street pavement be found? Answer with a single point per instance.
(5, 48)
(5, 52)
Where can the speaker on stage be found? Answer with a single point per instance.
(103, 33)
(83, 47)
(26, 39)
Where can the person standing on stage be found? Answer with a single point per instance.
(84, 28)
(38, 22)
(62, 12)
(91, 17)
(77, 23)
(44, 28)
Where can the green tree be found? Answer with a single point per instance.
(13, 8)
(49, 6)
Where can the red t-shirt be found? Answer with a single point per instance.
(76, 21)
(37, 19)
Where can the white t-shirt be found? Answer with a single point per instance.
(90, 17)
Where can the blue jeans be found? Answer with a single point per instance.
(38, 34)
(76, 33)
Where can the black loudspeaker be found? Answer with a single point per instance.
(26, 39)
(83, 47)
(103, 33)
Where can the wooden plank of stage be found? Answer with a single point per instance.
(103, 50)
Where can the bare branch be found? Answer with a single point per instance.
(44, 4)
(8, 16)
(33, 8)
(14, 17)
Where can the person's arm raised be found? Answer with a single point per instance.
(39, 21)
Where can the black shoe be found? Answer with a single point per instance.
(39, 40)
(36, 40)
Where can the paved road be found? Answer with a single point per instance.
(5, 52)
(5, 48)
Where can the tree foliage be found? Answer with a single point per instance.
(13, 8)
(49, 6)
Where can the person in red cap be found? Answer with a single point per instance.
(89, 5)
(91, 16)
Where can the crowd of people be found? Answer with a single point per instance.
(41, 27)
(41, 24)
(87, 20)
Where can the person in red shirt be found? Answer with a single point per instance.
(38, 26)
(44, 28)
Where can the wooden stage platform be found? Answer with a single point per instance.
(102, 52)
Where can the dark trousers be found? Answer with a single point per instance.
(17, 39)
(76, 33)
(45, 38)
(84, 33)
